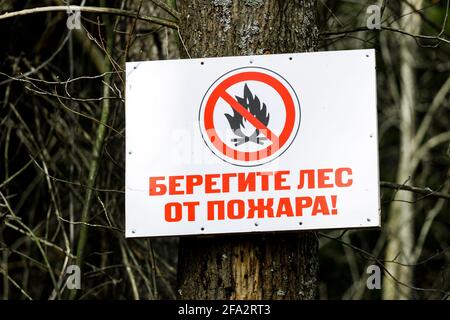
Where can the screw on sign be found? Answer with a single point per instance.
(249, 116)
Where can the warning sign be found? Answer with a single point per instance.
(242, 128)
(252, 144)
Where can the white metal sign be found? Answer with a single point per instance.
(251, 144)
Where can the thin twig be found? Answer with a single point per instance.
(166, 7)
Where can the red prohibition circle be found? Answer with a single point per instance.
(220, 92)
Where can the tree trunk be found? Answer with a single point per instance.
(400, 225)
(270, 266)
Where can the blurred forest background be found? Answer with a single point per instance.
(62, 138)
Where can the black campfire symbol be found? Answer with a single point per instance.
(238, 122)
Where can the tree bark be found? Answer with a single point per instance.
(270, 266)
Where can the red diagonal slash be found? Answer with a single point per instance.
(249, 117)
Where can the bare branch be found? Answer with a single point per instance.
(415, 36)
(424, 191)
(438, 99)
(427, 146)
(113, 11)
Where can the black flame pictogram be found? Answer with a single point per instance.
(238, 122)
